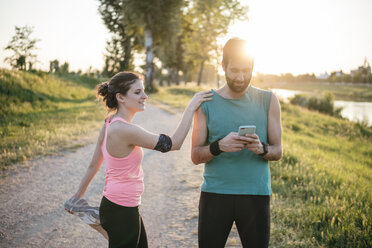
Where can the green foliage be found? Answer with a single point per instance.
(345, 92)
(206, 21)
(287, 78)
(119, 50)
(54, 66)
(65, 67)
(154, 23)
(301, 100)
(360, 76)
(81, 80)
(176, 96)
(41, 113)
(323, 105)
(22, 46)
(181, 34)
(159, 22)
(322, 183)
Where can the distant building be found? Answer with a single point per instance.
(364, 69)
(323, 76)
(339, 73)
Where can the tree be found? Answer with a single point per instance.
(54, 66)
(153, 20)
(119, 50)
(65, 67)
(182, 34)
(208, 20)
(22, 47)
(113, 57)
(170, 51)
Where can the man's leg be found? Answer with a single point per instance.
(252, 218)
(216, 216)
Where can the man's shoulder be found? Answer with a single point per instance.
(257, 90)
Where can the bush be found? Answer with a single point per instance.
(325, 104)
(300, 100)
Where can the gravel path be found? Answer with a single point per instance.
(31, 201)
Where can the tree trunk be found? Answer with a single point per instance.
(176, 77)
(186, 77)
(126, 65)
(149, 60)
(169, 76)
(161, 80)
(201, 72)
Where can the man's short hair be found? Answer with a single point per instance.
(235, 48)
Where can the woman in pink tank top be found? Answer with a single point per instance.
(120, 144)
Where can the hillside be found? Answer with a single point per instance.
(41, 113)
(322, 186)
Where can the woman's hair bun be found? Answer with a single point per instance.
(103, 89)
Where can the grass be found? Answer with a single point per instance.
(42, 113)
(323, 181)
(175, 96)
(322, 186)
(340, 91)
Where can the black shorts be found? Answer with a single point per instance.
(123, 225)
(217, 213)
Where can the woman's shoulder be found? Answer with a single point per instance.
(121, 127)
(124, 129)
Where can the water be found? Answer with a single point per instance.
(356, 111)
(286, 94)
(353, 111)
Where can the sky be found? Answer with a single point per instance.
(69, 30)
(305, 36)
(286, 36)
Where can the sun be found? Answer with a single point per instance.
(248, 51)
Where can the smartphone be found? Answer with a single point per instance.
(243, 130)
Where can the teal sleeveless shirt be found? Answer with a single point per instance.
(241, 172)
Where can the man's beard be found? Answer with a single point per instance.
(237, 89)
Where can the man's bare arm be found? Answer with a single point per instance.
(274, 131)
(200, 152)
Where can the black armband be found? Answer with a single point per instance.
(164, 143)
(214, 148)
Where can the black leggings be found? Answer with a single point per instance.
(123, 225)
(217, 212)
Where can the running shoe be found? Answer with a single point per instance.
(81, 208)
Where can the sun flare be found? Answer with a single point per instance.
(305, 36)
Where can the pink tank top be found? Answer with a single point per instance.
(124, 176)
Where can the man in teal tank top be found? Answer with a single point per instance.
(236, 185)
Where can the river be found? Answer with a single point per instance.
(354, 111)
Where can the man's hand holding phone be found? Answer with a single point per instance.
(244, 138)
(253, 142)
(232, 143)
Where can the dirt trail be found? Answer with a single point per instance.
(31, 202)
